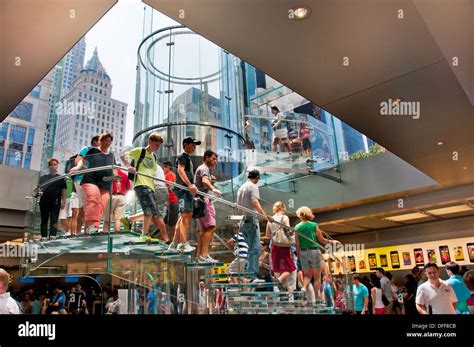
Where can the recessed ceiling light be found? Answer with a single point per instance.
(396, 101)
(300, 12)
(451, 209)
(440, 143)
(408, 216)
(465, 167)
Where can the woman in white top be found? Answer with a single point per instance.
(280, 131)
(378, 306)
(282, 261)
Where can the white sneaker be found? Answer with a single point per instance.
(68, 234)
(91, 230)
(207, 259)
(211, 259)
(185, 247)
(258, 280)
(172, 247)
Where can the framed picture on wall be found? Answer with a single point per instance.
(458, 253)
(431, 256)
(444, 253)
(406, 258)
(419, 258)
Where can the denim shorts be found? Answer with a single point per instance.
(185, 200)
(311, 259)
(147, 199)
(161, 196)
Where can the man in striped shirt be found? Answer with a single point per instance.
(241, 250)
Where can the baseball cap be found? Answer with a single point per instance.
(190, 139)
(254, 174)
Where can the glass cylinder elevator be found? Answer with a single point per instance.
(187, 86)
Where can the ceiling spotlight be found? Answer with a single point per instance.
(299, 13)
(440, 143)
(396, 101)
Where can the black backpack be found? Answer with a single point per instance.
(132, 176)
(199, 207)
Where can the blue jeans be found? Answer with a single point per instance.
(251, 230)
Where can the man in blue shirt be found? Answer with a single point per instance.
(328, 292)
(460, 289)
(58, 302)
(361, 295)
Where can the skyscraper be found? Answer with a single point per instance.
(22, 133)
(88, 109)
(64, 73)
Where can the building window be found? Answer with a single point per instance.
(87, 127)
(27, 160)
(16, 146)
(23, 111)
(31, 137)
(18, 134)
(36, 91)
(3, 131)
(14, 158)
(1, 155)
(80, 94)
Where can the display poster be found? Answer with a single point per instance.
(405, 257)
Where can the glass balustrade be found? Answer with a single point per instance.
(161, 281)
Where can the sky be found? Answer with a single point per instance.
(117, 36)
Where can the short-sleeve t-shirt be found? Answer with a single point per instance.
(96, 158)
(147, 167)
(124, 184)
(51, 191)
(360, 293)
(307, 231)
(60, 299)
(461, 291)
(328, 293)
(185, 159)
(241, 247)
(247, 192)
(201, 171)
(171, 177)
(82, 153)
(440, 299)
(161, 175)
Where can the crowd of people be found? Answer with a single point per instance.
(295, 136)
(56, 299)
(287, 257)
(423, 292)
